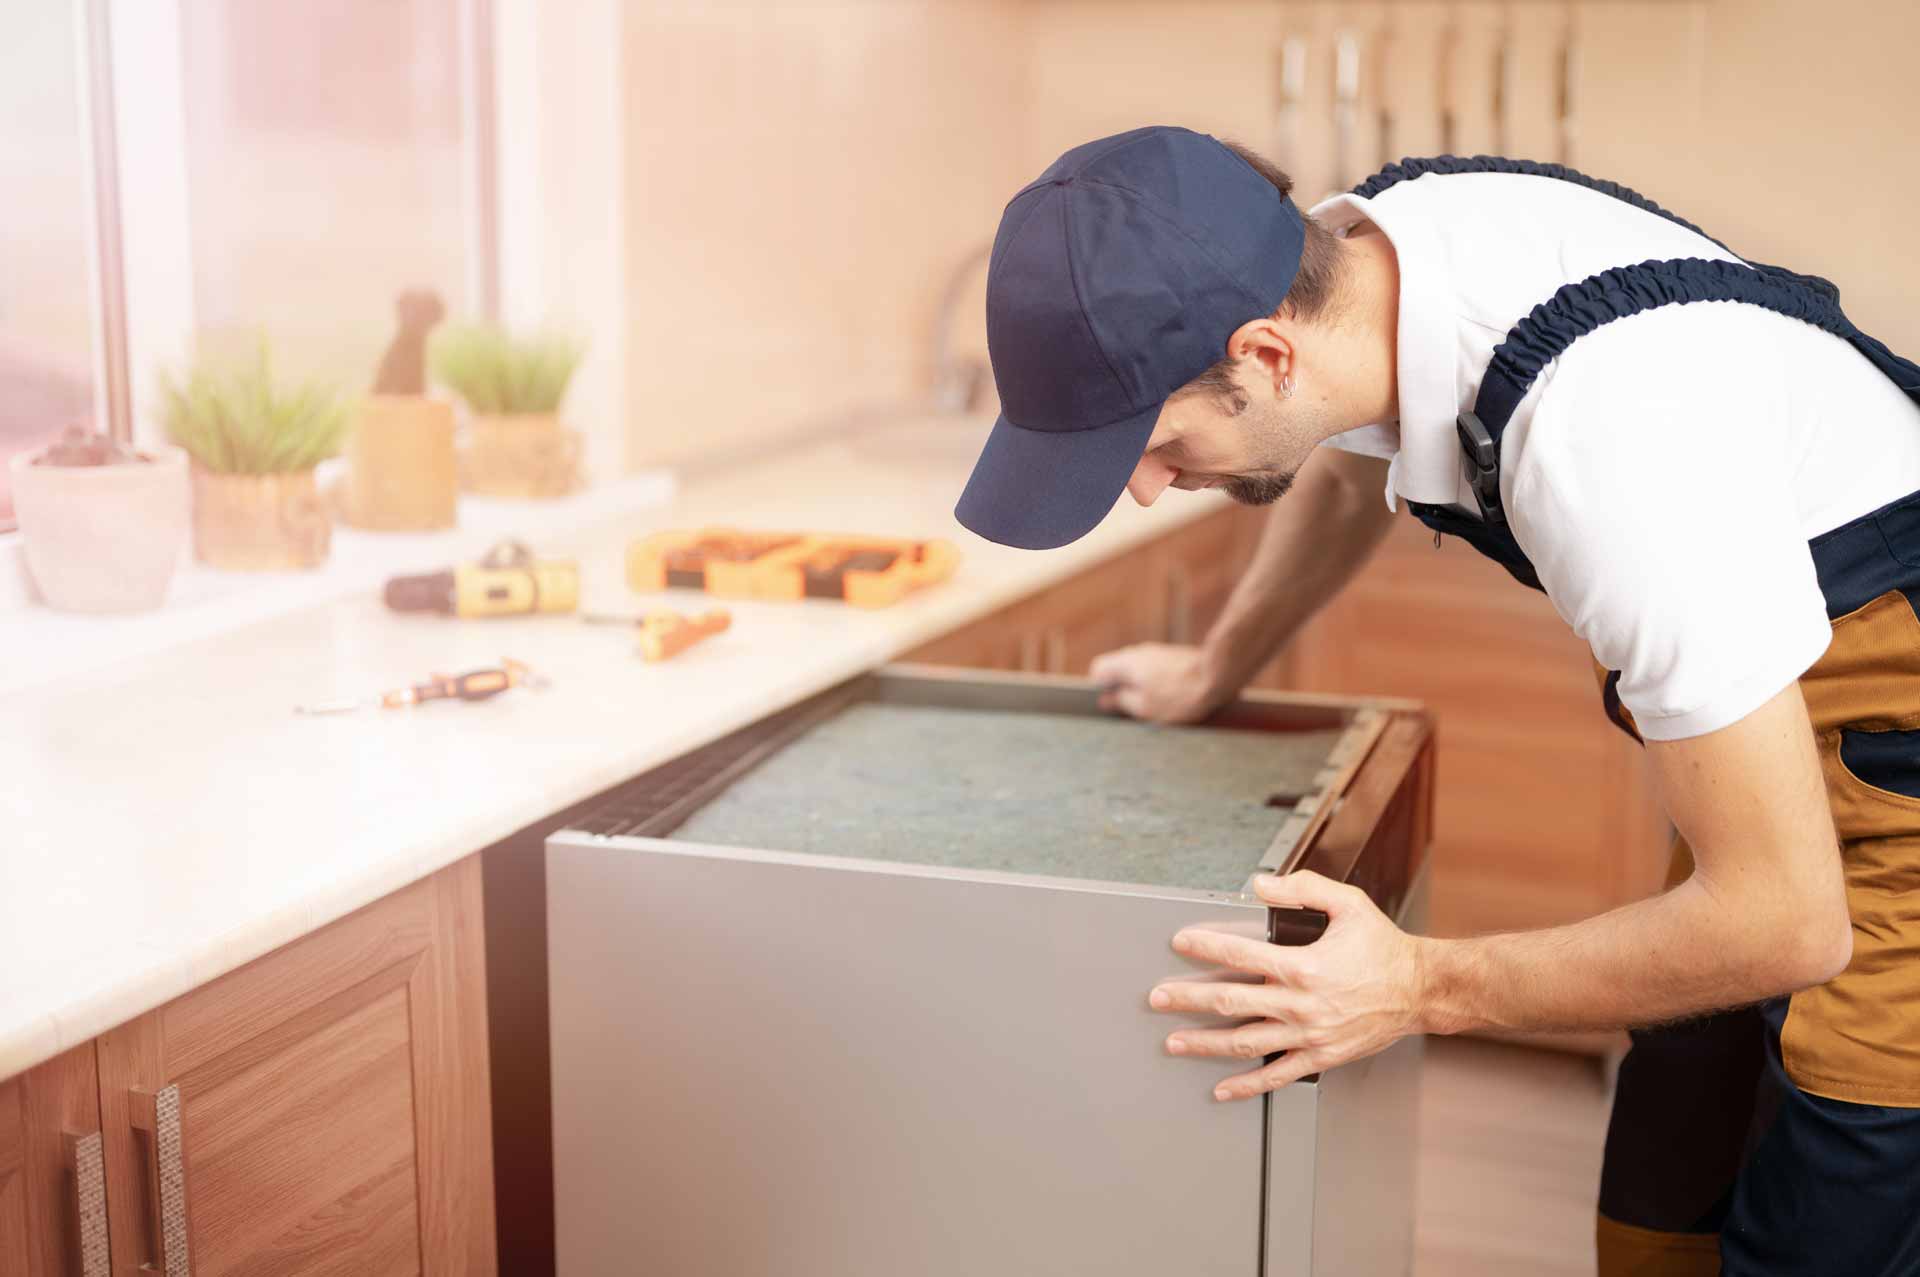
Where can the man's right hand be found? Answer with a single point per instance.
(1159, 682)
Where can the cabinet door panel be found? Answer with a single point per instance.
(332, 1101)
(1120, 602)
(16, 1240)
(1205, 562)
(52, 1216)
(325, 1121)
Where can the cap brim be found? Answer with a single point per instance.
(1039, 489)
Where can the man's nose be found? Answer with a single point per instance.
(1150, 478)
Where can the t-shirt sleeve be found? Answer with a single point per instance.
(1658, 507)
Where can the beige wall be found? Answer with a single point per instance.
(803, 177)
(1787, 131)
(804, 174)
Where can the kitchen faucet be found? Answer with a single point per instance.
(959, 385)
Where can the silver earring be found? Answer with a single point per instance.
(1286, 387)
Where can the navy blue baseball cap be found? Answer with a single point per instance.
(1116, 278)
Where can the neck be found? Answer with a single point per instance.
(1364, 335)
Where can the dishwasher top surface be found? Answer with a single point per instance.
(1068, 795)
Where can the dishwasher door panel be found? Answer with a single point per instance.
(775, 1064)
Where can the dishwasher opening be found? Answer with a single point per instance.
(917, 767)
(1066, 795)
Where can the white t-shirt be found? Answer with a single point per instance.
(1666, 473)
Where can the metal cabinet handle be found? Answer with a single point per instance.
(1179, 627)
(1030, 653)
(1056, 646)
(158, 1114)
(87, 1161)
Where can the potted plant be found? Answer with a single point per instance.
(401, 469)
(517, 446)
(101, 523)
(254, 445)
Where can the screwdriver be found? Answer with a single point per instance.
(665, 633)
(475, 685)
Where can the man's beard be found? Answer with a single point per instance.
(1264, 489)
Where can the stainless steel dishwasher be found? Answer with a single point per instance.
(861, 990)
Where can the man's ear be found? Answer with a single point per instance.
(1264, 342)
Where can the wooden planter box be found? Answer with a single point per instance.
(259, 522)
(521, 455)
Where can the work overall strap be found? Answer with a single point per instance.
(1578, 309)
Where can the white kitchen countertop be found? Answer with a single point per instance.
(166, 818)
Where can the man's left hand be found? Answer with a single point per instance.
(1354, 991)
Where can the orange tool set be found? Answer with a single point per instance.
(860, 570)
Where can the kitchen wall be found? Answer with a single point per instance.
(1783, 128)
(804, 175)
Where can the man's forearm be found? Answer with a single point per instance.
(1684, 953)
(1316, 538)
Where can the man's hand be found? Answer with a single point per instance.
(1354, 991)
(1159, 682)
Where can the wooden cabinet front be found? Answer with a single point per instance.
(53, 1212)
(321, 1110)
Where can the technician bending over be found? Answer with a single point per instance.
(1722, 499)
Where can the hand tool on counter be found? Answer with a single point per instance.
(865, 571)
(474, 685)
(666, 633)
(509, 581)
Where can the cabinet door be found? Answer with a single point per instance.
(1205, 560)
(1120, 602)
(998, 642)
(323, 1109)
(53, 1209)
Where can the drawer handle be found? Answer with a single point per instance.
(1056, 648)
(158, 1114)
(87, 1160)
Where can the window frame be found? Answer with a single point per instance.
(520, 141)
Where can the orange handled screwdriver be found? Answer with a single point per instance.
(666, 633)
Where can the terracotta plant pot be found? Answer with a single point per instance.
(522, 455)
(102, 538)
(259, 522)
(401, 475)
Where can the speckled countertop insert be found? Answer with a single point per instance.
(1064, 795)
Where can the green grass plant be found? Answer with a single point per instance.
(499, 374)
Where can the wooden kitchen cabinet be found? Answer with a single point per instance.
(1168, 590)
(321, 1110)
(1544, 812)
(53, 1215)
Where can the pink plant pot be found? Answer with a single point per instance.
(102, 538)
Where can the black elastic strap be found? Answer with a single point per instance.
(1408, 169)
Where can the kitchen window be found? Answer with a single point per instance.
(191, 177)
(47, 346)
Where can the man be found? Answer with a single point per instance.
(1716, 479)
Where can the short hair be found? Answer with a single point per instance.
(1316, 284)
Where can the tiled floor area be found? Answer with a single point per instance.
(1509, 1161)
